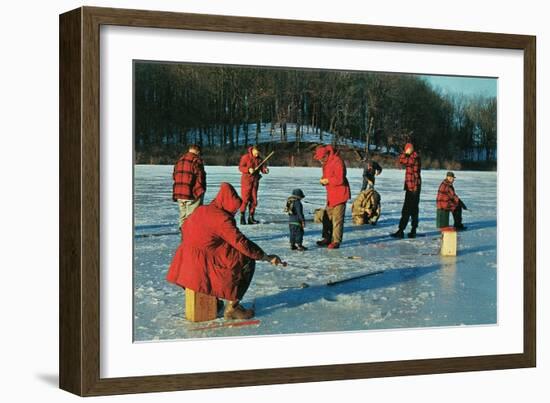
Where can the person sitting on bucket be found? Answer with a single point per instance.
(215, 258)
(448, 201)
(296, 219)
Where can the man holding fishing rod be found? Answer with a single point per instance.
(251, 167)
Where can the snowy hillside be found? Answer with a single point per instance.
(416, 288)
(267, 134)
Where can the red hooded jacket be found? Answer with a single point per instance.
(213, 250)
(334, 169)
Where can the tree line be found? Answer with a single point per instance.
(224, 106)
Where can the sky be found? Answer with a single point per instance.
(465, 85)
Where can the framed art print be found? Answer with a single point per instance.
(291, 201)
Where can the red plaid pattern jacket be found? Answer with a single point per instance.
(189, 178)
(412, 171)
(446, 197)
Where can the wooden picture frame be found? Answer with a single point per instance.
(79, 280)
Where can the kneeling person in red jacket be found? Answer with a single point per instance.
(215, 258)
(338, 193)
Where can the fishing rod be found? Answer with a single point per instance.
(308, 202)
(263, 162)
(345, 280)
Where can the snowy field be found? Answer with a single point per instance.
(416, 286)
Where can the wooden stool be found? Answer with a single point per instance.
(448, 241)
(200, 307)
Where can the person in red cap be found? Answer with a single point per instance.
(411, 160)
(215, 258)
(338, 193)
(189, 182)
(250, 181)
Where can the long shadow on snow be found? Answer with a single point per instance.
(476, 249)
(348, 228)
(141, 233)
(385, 238)
(292, 298)
(477, 225)
(306, 233)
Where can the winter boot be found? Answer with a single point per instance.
(460, 227)
(323, 242)
(334, 245)
(293, 246)
(251, 219)
(234, 310)
(412, 234)
(243, 220)
(399, 234)
(301, 248)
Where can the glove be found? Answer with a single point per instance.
(250, 171)
(463, 205)
(274, 260)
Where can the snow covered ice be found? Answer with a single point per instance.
(417, 287)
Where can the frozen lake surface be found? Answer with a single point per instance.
(417, 287)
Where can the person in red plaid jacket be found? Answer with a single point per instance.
(448, 200)
(189, 182)
(413, 181)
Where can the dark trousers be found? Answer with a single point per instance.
(247, 272)
(410, 210)
(457, 216)
(296, 234)
(442, 217)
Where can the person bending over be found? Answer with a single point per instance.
(215, 258)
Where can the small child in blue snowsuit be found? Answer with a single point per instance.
(296, 219)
